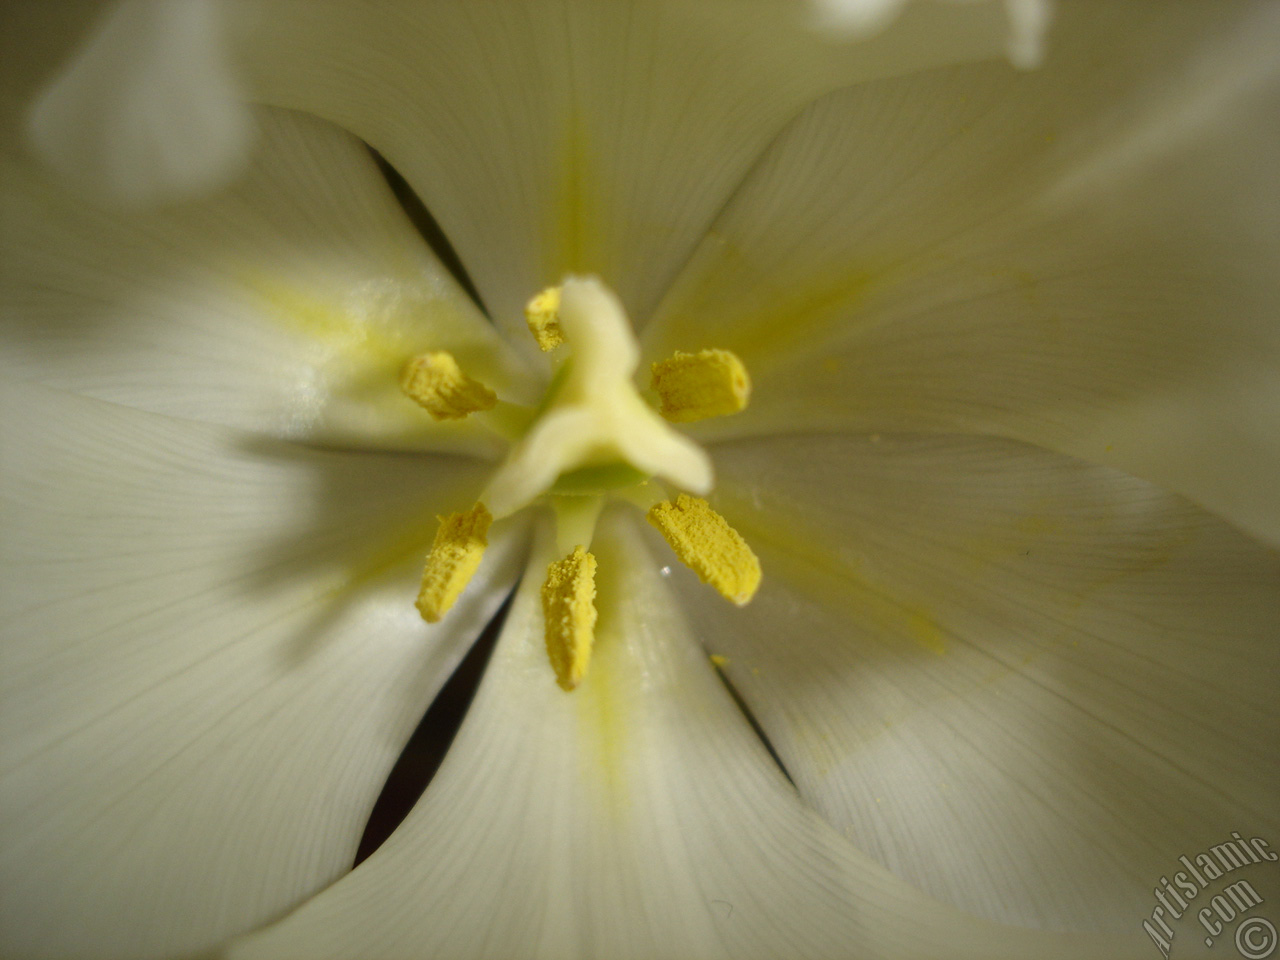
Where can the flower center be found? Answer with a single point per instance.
(592, 415)
(591, 439)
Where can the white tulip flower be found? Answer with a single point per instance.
(956, 381)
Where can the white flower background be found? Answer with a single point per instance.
(1012, 468)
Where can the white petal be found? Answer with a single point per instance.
(1028, 20)
(636, 817)
(856, 16)
(550, 138)
(149, 109)
(286, 305)
(1024, 683)
(210, 662)
(1082, 257)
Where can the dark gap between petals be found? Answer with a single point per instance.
(755, 725)
(425, 751)
(428, 227)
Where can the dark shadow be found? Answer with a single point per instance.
(425, 751)
(429, 228)
(758, 730)
(388, 503)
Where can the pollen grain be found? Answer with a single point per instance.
(542, 313)
(568, 606)
(706, 544)
(695, 386)
(436, 382)
(456, 553)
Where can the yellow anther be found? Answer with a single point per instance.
(568, 605)
(435, 381)
(706, 544)
(694, 386)
(542, 313)
(457, 551)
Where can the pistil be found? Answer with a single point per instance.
(596, 416)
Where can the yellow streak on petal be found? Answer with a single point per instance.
(455, 555)
(345, 333)
(695, 386)
(578, 236)
(810, 308)
(542, 313)
(706, 544)
(568, 605)
(436, 382)
(798, 556)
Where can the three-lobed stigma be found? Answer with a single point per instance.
(592, 439)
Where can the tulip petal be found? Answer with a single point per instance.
(210, 662)
(287, 305)
(149, 109)
(1028, 20)
(1025, 683)
(1082, 257)
(637, 817)
(556, 138)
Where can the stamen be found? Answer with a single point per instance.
(455, 555)
(706, 544)
(568, 606)
(542, 313)
(694, 386)
(436, 382)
